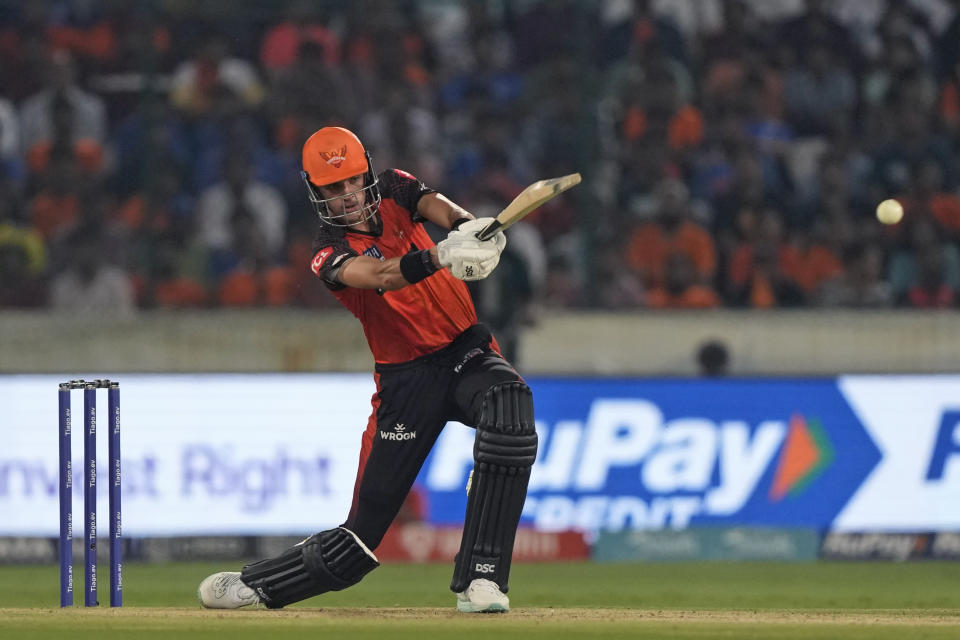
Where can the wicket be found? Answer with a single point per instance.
(89, 492)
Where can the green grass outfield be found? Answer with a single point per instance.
(556, 601)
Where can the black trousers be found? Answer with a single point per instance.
(414, 401)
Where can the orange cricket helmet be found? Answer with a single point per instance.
(333, 154)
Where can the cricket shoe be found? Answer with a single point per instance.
(225, 590)
(482, 596)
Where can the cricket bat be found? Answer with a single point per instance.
(528, 200)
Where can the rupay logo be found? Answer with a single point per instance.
(627, 466)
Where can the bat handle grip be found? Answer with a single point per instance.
(489, 231)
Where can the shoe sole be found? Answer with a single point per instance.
(469, 607)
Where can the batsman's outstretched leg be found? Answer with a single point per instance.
(328, 561)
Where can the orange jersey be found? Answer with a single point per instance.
(410, 322)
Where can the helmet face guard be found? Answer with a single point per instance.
(369, 194)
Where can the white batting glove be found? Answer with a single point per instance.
(466, 257)
(473, 227)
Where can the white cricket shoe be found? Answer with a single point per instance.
(482, 596)
(225, 590)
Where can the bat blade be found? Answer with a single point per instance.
(528, 200)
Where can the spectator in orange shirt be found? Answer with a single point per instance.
(671, 232)
(769, 284)
(759, 271)
(815, 259)
(681, 289)
(302, 24)
(652, 102)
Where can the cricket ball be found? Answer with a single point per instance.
(889, 211)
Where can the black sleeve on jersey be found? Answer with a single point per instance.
(405, 189)
(333, 239)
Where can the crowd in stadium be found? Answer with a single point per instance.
(150, 151)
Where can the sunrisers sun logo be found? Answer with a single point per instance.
(335, 158)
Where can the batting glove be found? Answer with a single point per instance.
(473, 227)
(466, 257)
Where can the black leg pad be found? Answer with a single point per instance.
(503, 452)
(328, 561)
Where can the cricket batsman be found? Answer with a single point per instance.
(434, 363)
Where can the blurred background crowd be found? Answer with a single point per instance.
(733, 152)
